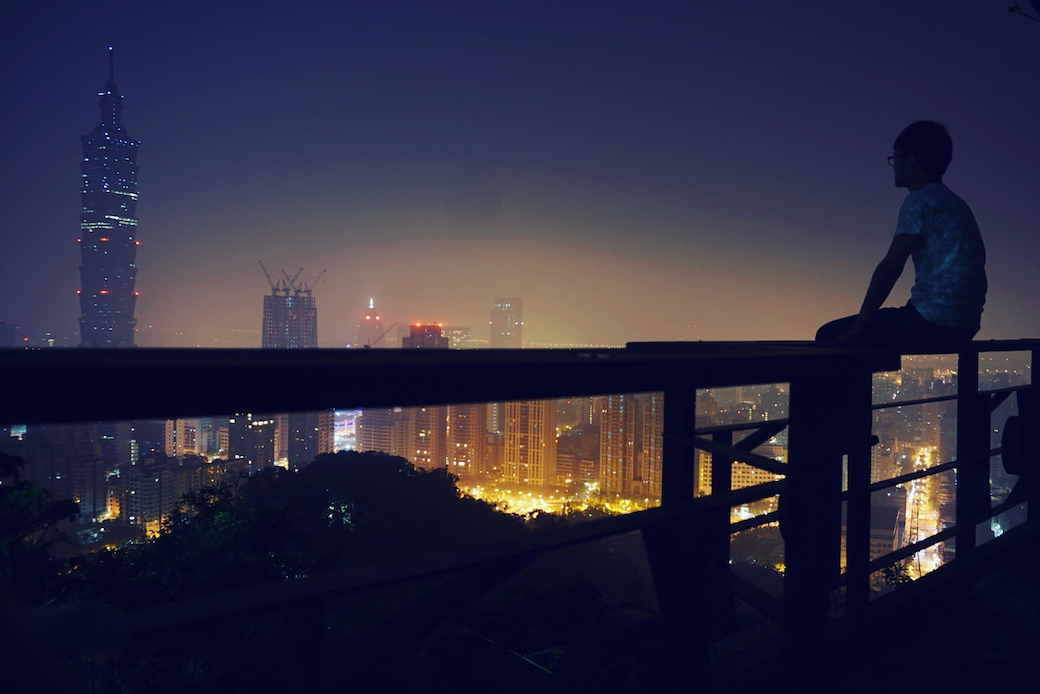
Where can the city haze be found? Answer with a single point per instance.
(633, 173)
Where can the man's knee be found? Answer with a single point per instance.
(829, 331)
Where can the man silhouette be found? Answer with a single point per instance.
(938, 230)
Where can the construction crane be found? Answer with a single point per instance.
(372, 344)
(276, 287)
(290, 282)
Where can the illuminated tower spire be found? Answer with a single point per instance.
(108, 226)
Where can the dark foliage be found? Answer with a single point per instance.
(342, 511)
(30, 522)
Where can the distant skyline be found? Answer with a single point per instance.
(633, 171)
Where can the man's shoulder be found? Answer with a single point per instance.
(934, 204)
(933, 196)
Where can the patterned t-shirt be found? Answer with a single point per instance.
(949, 265)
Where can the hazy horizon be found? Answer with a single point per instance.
(633, 172)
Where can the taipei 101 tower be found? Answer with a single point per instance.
(108, 224)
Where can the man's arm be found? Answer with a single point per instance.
(885, 276)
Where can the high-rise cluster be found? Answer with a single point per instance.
(108, 226)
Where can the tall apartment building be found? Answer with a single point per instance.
(618, 438)
(648, 462)
(529, 456)
(467, 441)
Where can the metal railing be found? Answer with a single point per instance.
(687, 539)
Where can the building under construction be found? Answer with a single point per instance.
(290, 315)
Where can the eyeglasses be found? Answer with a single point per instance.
(892, 159)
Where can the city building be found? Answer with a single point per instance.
(310, 434)
(618, 438)
(530, 443)
(507, 323)
(507, 332)
(425, 336)
(251, 444)
(459, 336)
(651, 414)
(467, 441)
(378, 429)
(291, 322)
(426, 427)
(427, 436)
(108, 226)
(630, 445)
(370, 331)
(290, 315)
(181, 437)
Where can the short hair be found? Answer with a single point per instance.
(930, 143)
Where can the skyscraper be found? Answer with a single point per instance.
(108, 226)
(507, 323)
(370, 331)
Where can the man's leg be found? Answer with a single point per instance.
(902, 329)
(830, 331)
(884, 329)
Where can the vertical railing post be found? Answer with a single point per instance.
(811, 523)
(973, 496)
(1029, 411)
(721, 482)
(678, 461)
(722, 607)
(857, 512)
(677, 547)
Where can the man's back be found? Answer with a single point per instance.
(949, 264)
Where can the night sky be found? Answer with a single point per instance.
(634, 171)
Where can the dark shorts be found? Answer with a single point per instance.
(901, 328)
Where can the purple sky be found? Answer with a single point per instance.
(634, 171)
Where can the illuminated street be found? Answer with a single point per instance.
(922, 514)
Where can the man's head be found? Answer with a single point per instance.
(930, 145)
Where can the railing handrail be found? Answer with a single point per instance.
(109, 384)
